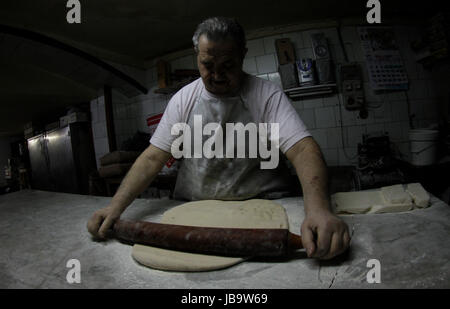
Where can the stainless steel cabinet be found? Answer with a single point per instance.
(62, 159)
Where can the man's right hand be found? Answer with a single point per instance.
(101, 221)
(138, 178)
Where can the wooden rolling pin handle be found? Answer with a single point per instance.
(294, 242)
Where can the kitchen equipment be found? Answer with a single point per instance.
(62, 159)
(324, 67)
(285, 51)
(423, 146)
(209, 240)
(288, 75)
(352, 86)
(305, 68)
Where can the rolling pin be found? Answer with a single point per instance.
(209, 240)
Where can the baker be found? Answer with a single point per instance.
(223, 95)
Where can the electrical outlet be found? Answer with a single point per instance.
(352, 86)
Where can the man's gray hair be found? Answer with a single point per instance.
(219, 28)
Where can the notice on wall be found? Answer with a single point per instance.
(383, 59)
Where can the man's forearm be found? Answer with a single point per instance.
(312, 172)
(139, 177)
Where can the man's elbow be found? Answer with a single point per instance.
(304, 146)
(154, 155)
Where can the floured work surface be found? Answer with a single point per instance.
(395, 198)
(412, 247)
(256, 213)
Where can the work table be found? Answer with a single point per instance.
(41, 231)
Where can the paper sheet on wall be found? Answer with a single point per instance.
(383, 60)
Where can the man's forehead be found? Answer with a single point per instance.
(221, 48)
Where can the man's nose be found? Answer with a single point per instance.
(218, 73)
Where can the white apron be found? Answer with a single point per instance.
(227, 178)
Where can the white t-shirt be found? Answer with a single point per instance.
(265, 100)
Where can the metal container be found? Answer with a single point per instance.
(306, 74)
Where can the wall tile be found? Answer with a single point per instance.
(296, 39)
(331, 156)
(432, 89)
(411, 68)
(99, 130)
(186, 62)
(417, 89)
(334, 137)
(148, 107)
(370, 94)
(349, 34)
(304, 53)
(337, 114)
(93, 104)
(298, 105)
(325, 117)
(353, 135)
(266, 64)
(382, 113)
(338, 55)
(255, 48)
(358, 51)
(396, 130)
(320, 136)
(348, 156)
(249, 65)
(348, 117)
(375, 128)
(101, 109)
(312, 102)
(94, 112)
(308, 118)
(330, 100)
(399, 110)
(331, 35)
(306, 35)
(101, 146)
(269, 44)
(431, 109)
(423, 73)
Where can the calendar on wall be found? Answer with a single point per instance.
(383, 59)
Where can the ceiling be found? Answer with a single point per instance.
(131, 33)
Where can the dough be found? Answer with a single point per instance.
(356, 202)
(395, 195)
(386, 208)
(254, 213)
(420, 197)
(384, 200)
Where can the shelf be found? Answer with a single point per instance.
(299, 92)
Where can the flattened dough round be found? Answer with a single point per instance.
(254, 213)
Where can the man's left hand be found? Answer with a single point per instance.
(324, 235)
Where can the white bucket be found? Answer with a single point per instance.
(423, 146)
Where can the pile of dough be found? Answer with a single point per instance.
(420, 197)
(395, 195)
(358, 202)
(256, 213)
(384, 200)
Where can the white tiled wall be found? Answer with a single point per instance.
(337, 130)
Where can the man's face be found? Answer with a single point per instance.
(220, 65)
